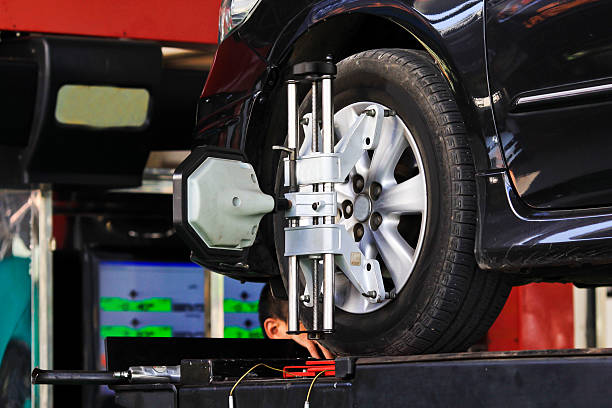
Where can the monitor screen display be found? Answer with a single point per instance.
(240, 309)
(146, 299)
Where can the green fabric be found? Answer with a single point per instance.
(15, 295)
(23, 330)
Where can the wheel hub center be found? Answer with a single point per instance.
(362, 207)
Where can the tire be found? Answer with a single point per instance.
(447, 303)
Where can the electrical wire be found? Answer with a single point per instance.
(312, 383)
(254, 367)
(306, 403)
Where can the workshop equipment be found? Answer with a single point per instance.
(211, 369)
(218, 204)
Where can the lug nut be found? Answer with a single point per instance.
(375, 221)
(358, 232)
(358, 183)
(375, 190)
(347, 209)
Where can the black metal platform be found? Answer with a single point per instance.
(551, 378)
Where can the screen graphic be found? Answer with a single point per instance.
(141, 299)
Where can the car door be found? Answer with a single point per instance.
(550, 76)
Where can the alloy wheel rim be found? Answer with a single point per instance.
(393, 192)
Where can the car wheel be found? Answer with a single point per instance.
(417, 199)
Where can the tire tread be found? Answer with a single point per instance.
(466, 300)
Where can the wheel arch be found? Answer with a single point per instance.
(342, 32)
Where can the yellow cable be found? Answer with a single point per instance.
(312, 383)
(254, 367)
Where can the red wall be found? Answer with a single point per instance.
(175, 20)
(536, 316)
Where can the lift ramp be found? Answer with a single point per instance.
(543, 378)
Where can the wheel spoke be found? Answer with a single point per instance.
(343, 121)
(353, 300)
(395, 251)
(408, 197)
(345, 192)
(395, 199)
(349, 224)
(367, 244)
(362, 166)
(390, 147)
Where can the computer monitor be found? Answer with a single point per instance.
(149, 299)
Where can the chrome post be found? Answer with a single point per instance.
(320, 76)
(315, 121)
(292, 144)
(329, 267)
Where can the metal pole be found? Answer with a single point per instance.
(292, 142)
(42, 289)
(315, 265)
(315, 297)
(315, 122)
(217, 316)
(327, 109)
(329, 267)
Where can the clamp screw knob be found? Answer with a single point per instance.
(370, 294)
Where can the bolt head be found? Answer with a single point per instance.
(375, 191)
(358, 232)
(347, 209)
(375, 221)
(358, 183)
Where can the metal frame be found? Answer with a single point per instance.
(312, 237)
(333, 167)
(335, 240)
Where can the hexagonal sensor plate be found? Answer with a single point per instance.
(225, 204)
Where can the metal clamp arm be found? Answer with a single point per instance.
(313, 168)
(363, 273)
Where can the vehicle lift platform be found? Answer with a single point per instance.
(201, 373)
